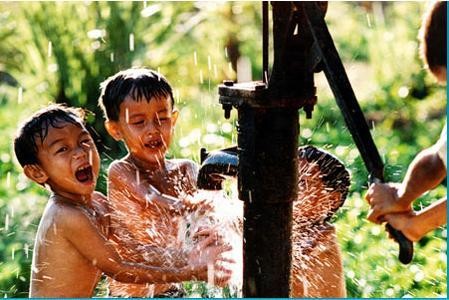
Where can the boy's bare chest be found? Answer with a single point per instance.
(174, 182)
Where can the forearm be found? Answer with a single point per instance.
(137, 273)
(164, 257)
(430, 217)
(424, 173)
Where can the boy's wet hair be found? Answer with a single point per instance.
(36, 129)
(138, 84)
(335, 175)
(433, 36)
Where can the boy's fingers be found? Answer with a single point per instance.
(211, 240)
(227, 260)
(202, 232)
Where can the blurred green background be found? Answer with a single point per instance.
(62, 51)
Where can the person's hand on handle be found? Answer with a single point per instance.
(383, 199)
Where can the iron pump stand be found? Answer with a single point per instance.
(268, 128)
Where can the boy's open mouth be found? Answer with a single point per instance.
(154, 144)
(84, 174)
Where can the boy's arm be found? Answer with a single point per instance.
(80, 231)
(416, 225)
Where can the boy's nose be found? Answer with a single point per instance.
(152, 127)
(79, 152)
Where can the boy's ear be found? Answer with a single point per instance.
(35, 173)
(113, 130)
(174, 117)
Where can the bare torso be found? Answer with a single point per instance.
(138, 223)
(58, 269)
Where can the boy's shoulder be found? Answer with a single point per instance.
(64, 215)
(120, 166)
(183, 164)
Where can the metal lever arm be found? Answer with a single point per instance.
(352, 113)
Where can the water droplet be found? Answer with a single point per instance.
(195, 60)
(131, 42)
(111, 57)
(368, 20)
(8, 179)
(26, 249)
(49, 49)
(201, 76)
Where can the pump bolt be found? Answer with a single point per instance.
(259, 86)
(228, 82)
(227, 110)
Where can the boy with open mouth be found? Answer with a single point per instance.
(71, 250)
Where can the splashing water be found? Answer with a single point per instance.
(226, 215)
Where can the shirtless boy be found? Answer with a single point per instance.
(71, 250)
(143, 186)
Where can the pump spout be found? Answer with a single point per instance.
(216, 166)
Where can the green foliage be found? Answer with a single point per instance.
(195, 44)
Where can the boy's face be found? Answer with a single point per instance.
(146, 127)
(68, 160)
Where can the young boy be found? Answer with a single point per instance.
(144, 185)
(317, 268)
(71, 250)
(391, 202)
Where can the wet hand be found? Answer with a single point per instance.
(207, 252)
(221, 273)
(383, 199)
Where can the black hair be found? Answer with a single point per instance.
(136, 83)
(433, 36)
(36, 128)
(335, 175)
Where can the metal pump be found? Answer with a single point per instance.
(268, 128)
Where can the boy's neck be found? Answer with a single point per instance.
(145, 166)
(74, 199)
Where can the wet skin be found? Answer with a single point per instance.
(71, 250)
(139, 215)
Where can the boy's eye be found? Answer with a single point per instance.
(62, 149)
(140, 122)
(163, 120)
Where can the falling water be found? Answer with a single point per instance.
(131, 42)
(226, 216)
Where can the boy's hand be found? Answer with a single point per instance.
(207, 253)
(404, 222)
(383, 199)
